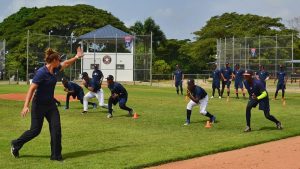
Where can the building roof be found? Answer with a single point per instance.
(106, 32)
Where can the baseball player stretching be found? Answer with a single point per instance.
(257, 95)
(199, 97)
(74, 90)
(118, 95)
(94, 91)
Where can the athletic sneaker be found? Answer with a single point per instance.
(220, 97)
(213, 119)
(109, 116)
(186, 123)
(59, 159)
(94, 106)
(14, 151)
(84, 112)
(130, 113)
(279, 126)
(66, 108)
(247, 129)
(212, 97)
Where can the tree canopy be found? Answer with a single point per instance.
(61, 20)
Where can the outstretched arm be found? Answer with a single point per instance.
(70, 61)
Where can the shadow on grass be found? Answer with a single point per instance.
(268, 128)
(77, 154)
(82, 153)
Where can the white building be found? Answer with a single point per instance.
(111, 50)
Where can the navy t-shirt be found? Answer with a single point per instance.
(238, 75)
(216, 75)
(94, 84)
(227, 71)
(257, 87)
(97, 75)
(117, 88)
(74, 87)
(199, 92)
(263, 75)
(178, 75)
(280, 76)
(46, 84)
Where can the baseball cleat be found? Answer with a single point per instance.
(84, 112)
(247, 129)
(109, 116)
(14, 152)
(279, 126)
(213, 119)
(130, 113)
(212, 97)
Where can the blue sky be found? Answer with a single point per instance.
(177, 18)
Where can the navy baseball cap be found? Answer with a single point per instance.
(84, 74)
(191, 81)
(110, 77)
(248, 72)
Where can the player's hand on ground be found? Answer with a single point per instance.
(24, 111)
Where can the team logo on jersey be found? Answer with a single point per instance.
(106, 59)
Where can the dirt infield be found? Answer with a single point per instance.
(282, 154)
(22, 96)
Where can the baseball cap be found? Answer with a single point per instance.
(191, 81)
(110, 77)
(248, 72)
(84, 74)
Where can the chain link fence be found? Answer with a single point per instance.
(250, 52)
(2, 59)
(65, 45)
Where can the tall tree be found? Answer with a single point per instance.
(61, 20)
(146, 28)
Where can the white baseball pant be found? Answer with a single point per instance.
(99, 95)
(202, 105)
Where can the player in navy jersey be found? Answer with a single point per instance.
(178, 78)
(226, 74)
(43, 104)
(216, 76)
(75, 91)
(95, 90)
(118, 95)
(263, 75)
(238, 80)
(199, 98)
(281, 84)
(97, 75)
(257, 95)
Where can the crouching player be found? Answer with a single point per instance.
(74, 90)
(118, 94)
(257, 95)
(199, 97)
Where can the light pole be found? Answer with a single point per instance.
(49, 37)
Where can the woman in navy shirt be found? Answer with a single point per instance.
(43, 104)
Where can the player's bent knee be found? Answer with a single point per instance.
(203, 112)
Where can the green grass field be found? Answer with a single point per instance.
(158, 136)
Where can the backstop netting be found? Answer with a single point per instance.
(250, 52)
